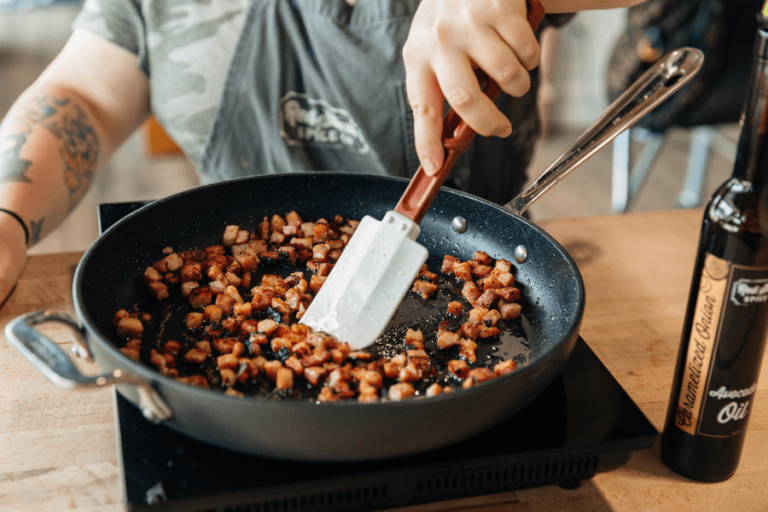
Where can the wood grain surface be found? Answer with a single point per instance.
(58, 449)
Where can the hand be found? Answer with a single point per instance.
(447, 40)
(13, 254)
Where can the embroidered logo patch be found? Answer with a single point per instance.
(309, 122)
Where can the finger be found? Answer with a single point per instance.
(462, 91)
(502, 64)
(426, 102)
(518, 35)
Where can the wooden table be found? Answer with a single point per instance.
(58, 448)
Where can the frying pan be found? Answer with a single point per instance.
(108, 278)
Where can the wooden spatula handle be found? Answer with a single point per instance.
(456, 138)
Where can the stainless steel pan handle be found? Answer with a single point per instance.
(54, 363)
(665, 77)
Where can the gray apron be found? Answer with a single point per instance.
(320, 85)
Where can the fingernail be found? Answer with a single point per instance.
(506, 132)
(430, 167)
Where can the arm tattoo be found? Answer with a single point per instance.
(37, 229)
(79, 149)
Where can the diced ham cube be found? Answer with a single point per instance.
(276, 224)
(229, 236)
(503, 266)
(401, 391)
(463, 271)
(458, 368)
(448, 263)
(504, 367)
(129, 327)
(491, 318)
(509, 294)
(481, 258)
(455, 308)
(447, 340)
(488, 299)
(424, 288)
(509, 310)
(471, 292)
(158, 290)
(200, 297)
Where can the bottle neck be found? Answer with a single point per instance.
(752, 156)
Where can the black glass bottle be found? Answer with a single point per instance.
(726, 322)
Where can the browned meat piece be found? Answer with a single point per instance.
(316, 282)
(448, 263)
(467, 350)
(491, 318)
(193, 255)
(276, 224)
(293, 364)
(320, 252)
(152, 276)
(195, 380)
(426, 275)
(509, 294)
(229, 361)
(308, 229)
(434, 390)
(481, 270)
(458, 368)
(324, 269)
(229, 236)
(119, 316)
(476, 376)
(321, 231)
(489, 282)
(488, 332)
(194, 320)
(469, 330)
(463, 271)
(279, 304)
(267, 326)
(269, 257)
(503, 266)
(476, 315)
(158, 290)
(424, 288)
(192, 272)
(447, 340)
(224, 303)
(261, 297)
(505, 279)
(414, 337)
(481, 257)
(314, 374)
(455, 308)
(242, 311)
(400, 391)
(509, 310)
(248, 260)
(287, 255)
(188, 287)
(212, 314)
(488, 299)
(471, 292)
(504, 367)
(293, 219)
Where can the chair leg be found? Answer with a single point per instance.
(696, 170)
(628, 179)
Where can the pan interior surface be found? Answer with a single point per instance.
(109, 278)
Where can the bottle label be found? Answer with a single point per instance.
(728, 334)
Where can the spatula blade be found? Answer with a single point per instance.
(369, 280)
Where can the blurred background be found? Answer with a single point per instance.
(573, 96)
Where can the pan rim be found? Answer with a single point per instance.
(152, 376)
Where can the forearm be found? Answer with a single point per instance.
(51, 150)
(65, 127)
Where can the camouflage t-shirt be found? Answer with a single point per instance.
(186, 46)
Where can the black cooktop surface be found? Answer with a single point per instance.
(583, 423)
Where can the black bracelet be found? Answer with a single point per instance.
(16, 216)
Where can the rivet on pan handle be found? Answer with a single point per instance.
(456, 138)
(52, 362)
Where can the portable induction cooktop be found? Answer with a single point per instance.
(582, 424)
